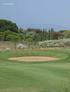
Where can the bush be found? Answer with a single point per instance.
(55, 43)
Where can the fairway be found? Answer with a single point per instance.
(53, 76)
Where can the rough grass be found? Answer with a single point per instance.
(35, 77)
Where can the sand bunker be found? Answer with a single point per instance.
(34, 58)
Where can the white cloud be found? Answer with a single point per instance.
(8, 4)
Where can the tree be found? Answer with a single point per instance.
(56, 35)
(1, 36)
(8, 25)
(49, 34)
(14, 38)
(66, 34)
(27, 38)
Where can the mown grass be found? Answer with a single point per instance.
(35, 77)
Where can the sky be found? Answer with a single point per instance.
(37, 13)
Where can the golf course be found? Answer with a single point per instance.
(34, 46)
(25, 76)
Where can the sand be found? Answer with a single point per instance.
(34, 58)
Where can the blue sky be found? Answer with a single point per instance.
(37, 13)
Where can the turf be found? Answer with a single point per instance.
(35, 77)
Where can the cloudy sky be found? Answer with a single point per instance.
(37, 13)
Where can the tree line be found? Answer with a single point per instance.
(9, 31)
